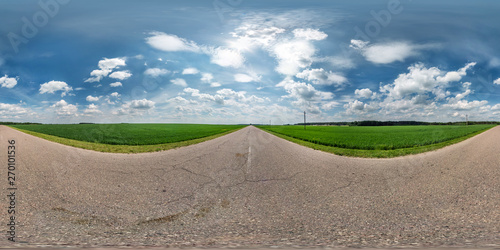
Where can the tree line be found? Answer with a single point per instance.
(392, 123)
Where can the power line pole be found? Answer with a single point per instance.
(466, 120)
(304, 120)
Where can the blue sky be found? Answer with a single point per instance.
(242, 61)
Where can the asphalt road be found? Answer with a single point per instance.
(252, 189)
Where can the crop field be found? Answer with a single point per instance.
(130, 134)
(377, 138)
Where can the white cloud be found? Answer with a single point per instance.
(207, 77)
(53, 86)
(232, 97)
(167, 42)
(179, 81)
(178, 99)
(202, 96)
(310, 34)
(92, 98)
(422, 80)
(115, 94)
(12, 110)
(496, 107)
(363, 93)
(142, 104)
(497, 81)
(358, 107)
(322, 77)
(385, 53)
(121, 75)
(455, 76)
(227, 57)
(293, 56)
(215, 84)
(106, 66)
(466, 105)
(116, 84)
(330, 105)
(62, 108)
(358, 44)
(92, 109)
(226, 97)
(135, 107)
(190, 71)
(251, 35)
(246, 78)
(156, 72)
(305, 95)
(8, 82)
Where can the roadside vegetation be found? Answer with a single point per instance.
(377, 141)
(127, 138)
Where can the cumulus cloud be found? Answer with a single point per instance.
(215, 84)
(364, 93)
(466, 105)
(135, 107)
(179, 81)
(92, 98)
(322, 77)
(142, 104)
(106, 66)
(156, 72)
(8, 82)
(305, 96)
(227, 57)
(330, 105)
(246, 78)
(207, 77)
(116, 84)
(293, 56)
(496, 107)
(62, 108)
(455, 76)
(190, 71)
(226, 97)
(115, 94)
(121, 75)
(249, 36)
(385, 53)
(497, 81)
(203, 96)
(54, 86)
(422, 80)
(167, 42)
(12, 110)
(357, 107)
(92, 109)
(310, 34)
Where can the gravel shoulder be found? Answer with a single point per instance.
(253, 189)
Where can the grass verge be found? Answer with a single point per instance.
(376, 153)
(123, 148)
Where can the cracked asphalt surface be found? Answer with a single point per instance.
(253, 189)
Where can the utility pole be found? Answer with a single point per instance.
(304, 120)
(466, 120)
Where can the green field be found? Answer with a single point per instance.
(127, 138)
(382, 141)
